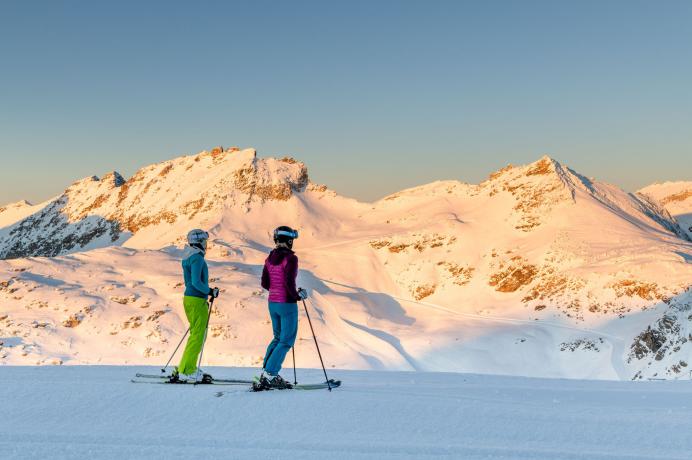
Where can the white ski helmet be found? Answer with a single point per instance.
(197, 237)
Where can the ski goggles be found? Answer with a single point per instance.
(293, 234)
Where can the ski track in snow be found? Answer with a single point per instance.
(95, 412)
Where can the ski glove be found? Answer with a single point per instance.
(214, 292)
(302, 293)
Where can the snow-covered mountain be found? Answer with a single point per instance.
(153, 207)
(676, 197)
(536, 271)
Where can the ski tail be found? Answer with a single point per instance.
(318, 386)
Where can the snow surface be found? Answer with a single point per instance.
(95, 412)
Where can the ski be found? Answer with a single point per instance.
(166, 382)
(166, 377)
(302, 386)
(318, 386)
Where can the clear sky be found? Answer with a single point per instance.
(374, 96)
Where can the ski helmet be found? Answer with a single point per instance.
(197, 237)
(285, 235)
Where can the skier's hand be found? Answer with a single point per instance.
(302, 293)
(214, 292)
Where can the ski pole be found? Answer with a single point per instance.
(316, 345)
(295, 378)
(206, 328)
(163, 370)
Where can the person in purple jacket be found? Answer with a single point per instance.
(279, 278)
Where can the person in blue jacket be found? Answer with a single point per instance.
(197, 290)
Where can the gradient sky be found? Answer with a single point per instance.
(374, 96)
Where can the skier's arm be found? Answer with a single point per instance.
(291, 274)
(265, 277)
(196, 275)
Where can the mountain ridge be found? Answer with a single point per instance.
(537, 270)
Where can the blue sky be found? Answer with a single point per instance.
(373, 96)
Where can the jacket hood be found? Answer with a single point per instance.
(278, 255)
(190, 251)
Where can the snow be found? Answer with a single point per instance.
(95, 412)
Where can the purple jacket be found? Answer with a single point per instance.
(279, 276)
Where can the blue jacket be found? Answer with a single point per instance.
(196, 274)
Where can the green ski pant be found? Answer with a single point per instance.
(197, 312)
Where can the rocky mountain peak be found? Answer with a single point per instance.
(536, 189)
(541, 167)
(545, 165)
(271, 179)
(113, 177)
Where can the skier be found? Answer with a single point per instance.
(197, 290)
(279, 278)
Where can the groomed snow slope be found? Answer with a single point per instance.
(96, 413)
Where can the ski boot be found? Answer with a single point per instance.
(279, 383)
(269, 382)
(197, 377)
(206, 379)
(175, 377)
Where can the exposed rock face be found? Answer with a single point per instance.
(271, 179)
(677, 197)
(513, 275)
(663, 348)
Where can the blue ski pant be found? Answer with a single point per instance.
(284, 318)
